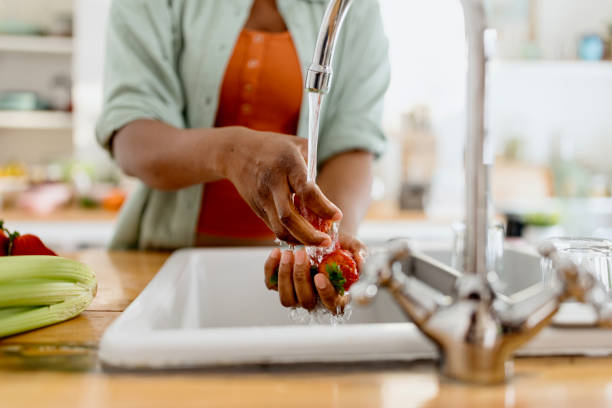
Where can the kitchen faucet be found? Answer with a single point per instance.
(475, 329)
(319, 76)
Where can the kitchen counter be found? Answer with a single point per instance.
(58, 367)
(377, 211)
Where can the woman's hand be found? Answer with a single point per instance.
(294, 282)
(266, 169)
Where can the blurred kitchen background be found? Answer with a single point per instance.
(549, 115)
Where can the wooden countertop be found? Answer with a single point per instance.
(58, 367)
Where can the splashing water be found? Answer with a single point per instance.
(320, 315)
(317, 253)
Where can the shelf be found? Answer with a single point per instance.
(36, 44)
(67, 214)
(35, 120)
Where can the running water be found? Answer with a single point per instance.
(315, 100)
(320, 315)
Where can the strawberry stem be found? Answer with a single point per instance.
(11, 237)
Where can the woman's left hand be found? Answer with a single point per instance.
(294, 282)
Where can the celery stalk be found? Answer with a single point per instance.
(37, 291)
(40, 293)
(9, 311)
(25, 320)
(44, 267)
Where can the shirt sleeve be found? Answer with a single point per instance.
(140, 78)
(355, 103)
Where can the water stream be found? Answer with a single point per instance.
(315, 100)
(320, 315)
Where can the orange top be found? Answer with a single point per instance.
(262, 90)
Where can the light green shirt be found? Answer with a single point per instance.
(166, 60)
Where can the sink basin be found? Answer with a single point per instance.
(209, 307)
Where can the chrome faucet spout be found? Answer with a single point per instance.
(319, 75)
(476, 177)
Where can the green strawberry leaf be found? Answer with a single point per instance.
(274, 279)
(336, 277)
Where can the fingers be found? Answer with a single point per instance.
(279, 229)
(313, 198)
(299, 228)
(267, 213)
(302, 281)
(328, 295)
(295, 285)
(285, 280)
(355, 247)
(271, 269)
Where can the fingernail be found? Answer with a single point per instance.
(338, 216)
(326, 242)
(319, 281)
(285, 256)
(275, 253)
(363, 254)
(300, 257)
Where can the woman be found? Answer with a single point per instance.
(202, 102)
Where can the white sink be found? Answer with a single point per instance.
(210, 307)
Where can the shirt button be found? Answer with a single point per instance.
(248, 87)
(246, 108)
(208, 100)
(258, 38)
(253, 63)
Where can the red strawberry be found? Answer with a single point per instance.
(29, 244)
(340, 268)
(316, 221)
(4, 242)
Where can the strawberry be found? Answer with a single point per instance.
(4, 241)
(28, 244)
(316, 221)
(340, 268)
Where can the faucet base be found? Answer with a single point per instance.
(476, 372)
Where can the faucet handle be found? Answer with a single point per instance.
(579, 284)
(567, 276)
(364, 292)
(378, 270)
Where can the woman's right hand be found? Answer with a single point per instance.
(267, 168)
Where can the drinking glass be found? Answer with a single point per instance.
(594, 255)
(494, 250)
